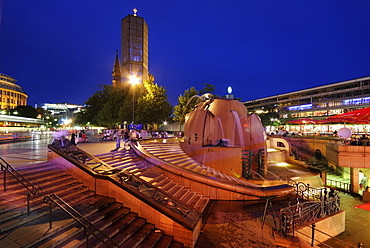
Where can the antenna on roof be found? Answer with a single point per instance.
(135, 11)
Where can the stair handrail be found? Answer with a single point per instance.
(31, 189)
(313, 239)
(187, 213)
(87, 225)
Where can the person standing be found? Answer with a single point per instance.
(363, 184)
(134, 136)
(73, 139)
(125, 136)
(117, 137)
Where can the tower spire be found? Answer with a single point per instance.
(116, 73)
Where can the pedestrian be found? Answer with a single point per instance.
(363, 184)
(134, 136)
(125, 137)
(73, 139)
(117, 137)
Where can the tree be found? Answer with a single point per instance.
(106, 107)
(186, 104)
(116, 109)
(270, 117)
(208, 88)
(111, 106)
(188, 100)
(26, 111)
(153, 106)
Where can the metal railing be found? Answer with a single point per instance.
(338, 241)
(339, 185)
(89, 228)
(321, 202)
(31, 189)
(306, 212)
(187, 214)
(305, 191)
(186, 211)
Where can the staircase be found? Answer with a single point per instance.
(19, 229)
(173, 154)
(129, 162)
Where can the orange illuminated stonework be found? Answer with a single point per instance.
(11, 94)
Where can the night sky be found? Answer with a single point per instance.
(60, 51)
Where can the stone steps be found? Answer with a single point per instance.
(131, 164)
(19, 229)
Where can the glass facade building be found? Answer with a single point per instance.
(134, 45)
(316, 102)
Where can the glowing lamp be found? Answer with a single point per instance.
(229, 89)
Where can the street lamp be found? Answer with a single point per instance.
(133, 81)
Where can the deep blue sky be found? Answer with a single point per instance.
(60, 51)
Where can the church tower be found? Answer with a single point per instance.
(134, 48)
(116, 73)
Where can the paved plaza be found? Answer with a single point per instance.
(230, 224)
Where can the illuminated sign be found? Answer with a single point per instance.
(356, 101)
(300, 107)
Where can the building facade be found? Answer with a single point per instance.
(11, 94)
(134, 51)
(316, 102)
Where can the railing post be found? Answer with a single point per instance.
(293, 225)
(4, 178)
(50, 215)
(313, 234)
(87, 237)
(28, 202)
(308, 191)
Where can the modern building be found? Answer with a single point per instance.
(11, 94)
(316, 102)
(348, 162)
(62, 110)
(134, 51)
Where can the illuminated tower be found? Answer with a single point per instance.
(134, 47)
(116, 73)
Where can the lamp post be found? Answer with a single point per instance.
(133, 81)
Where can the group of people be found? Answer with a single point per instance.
(364, 140)
(78, 136)
(61, 142)
(156, 134)
(123, 134)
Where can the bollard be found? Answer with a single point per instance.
(313, 234)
